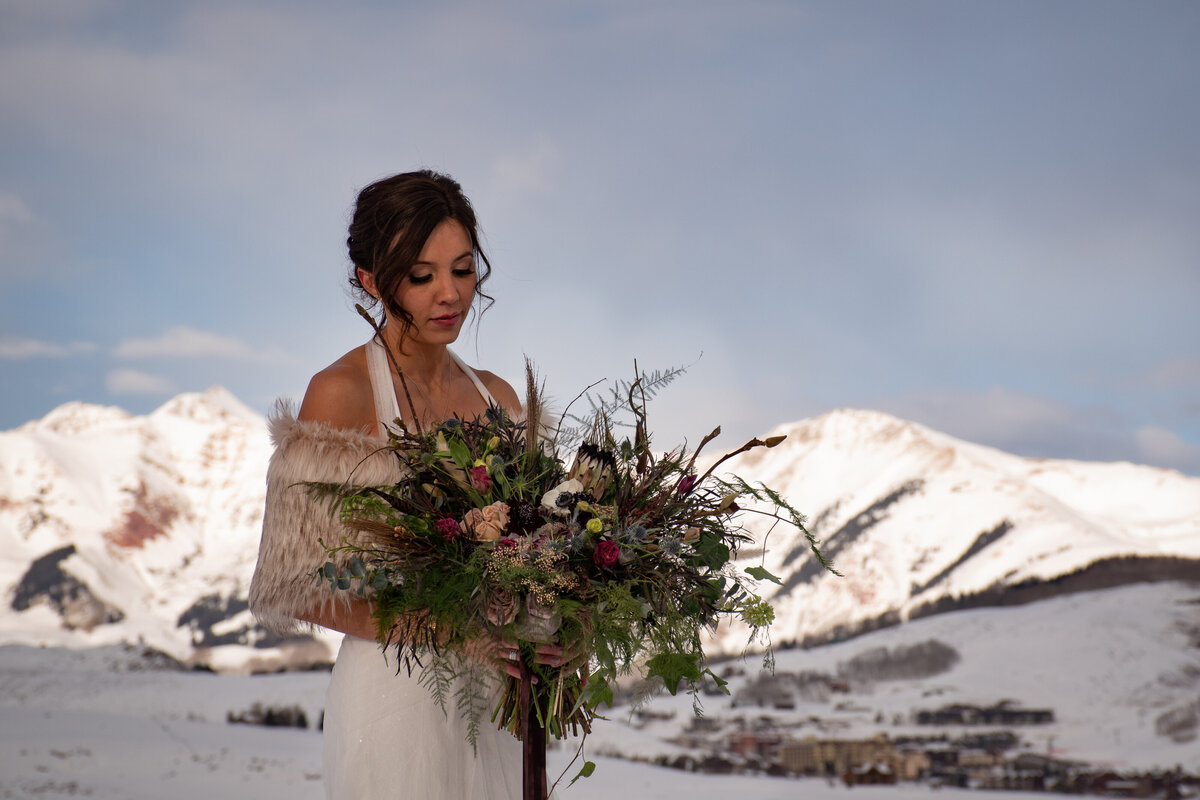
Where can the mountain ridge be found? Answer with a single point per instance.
(162, 513)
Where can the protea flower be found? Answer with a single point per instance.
(593, 468)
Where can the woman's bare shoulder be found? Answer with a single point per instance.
(340, 395)
(504, 394)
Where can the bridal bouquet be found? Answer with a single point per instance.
(621, 555)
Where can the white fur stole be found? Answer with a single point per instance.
(295, 523)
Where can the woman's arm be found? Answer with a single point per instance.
(340, 396)
(336, 396)
(354, 618)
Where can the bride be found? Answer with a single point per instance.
(415, 250)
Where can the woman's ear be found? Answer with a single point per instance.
(368, 282)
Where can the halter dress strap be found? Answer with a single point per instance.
(470, 373)
(387, 407)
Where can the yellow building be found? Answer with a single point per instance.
(812, 756)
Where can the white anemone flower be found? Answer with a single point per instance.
(550, 498)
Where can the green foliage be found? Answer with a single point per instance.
(761, 574)
(623, 558)
(588, 768)
(673, 668)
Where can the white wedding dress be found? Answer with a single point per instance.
(384, 735)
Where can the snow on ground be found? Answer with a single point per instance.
(1108, 664)
(104, 723)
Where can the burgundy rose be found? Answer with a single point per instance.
(686, 484)
(480, 479)
(448, 527)
(606, 554)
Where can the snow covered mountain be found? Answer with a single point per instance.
(920, 522)
(122, 528)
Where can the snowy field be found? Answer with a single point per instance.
(105, 724)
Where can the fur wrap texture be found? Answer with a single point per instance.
(295, 523)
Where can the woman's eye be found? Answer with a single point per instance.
(463, 272)
(420, 278)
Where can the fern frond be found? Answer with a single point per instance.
(438, 678)
(472, 702)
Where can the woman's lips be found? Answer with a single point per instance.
(447, 321)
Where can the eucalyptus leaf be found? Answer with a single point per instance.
(761, 574)
(588, 768)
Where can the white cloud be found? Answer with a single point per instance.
(13, 208)
(13, 348)
(131, 381)
(1023, 424)
(184, 342)
(1177, 373)
(531, 170)
(15, 219)
(995, 415)
(1044, 427)
(1160, 446)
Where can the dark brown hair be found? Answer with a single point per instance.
(392, 220)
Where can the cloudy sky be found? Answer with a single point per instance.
(980, 216)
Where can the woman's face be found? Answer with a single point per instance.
(438, 290)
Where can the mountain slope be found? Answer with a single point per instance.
(916, 519)
(145, 527)
(122, 528)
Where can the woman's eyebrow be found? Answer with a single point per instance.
(468, 254)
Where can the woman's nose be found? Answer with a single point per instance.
(446, 290)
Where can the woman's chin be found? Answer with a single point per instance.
(438, 335)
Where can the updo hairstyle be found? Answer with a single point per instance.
(393, 218)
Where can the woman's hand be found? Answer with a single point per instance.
(505, 654)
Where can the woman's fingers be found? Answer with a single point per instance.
(551, 655)
(506, 655)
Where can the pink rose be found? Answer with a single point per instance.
(487, 523)
(606, 554)
(480, 479)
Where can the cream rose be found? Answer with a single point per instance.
(488, 523)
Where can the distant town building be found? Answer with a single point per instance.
(1003, 713)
